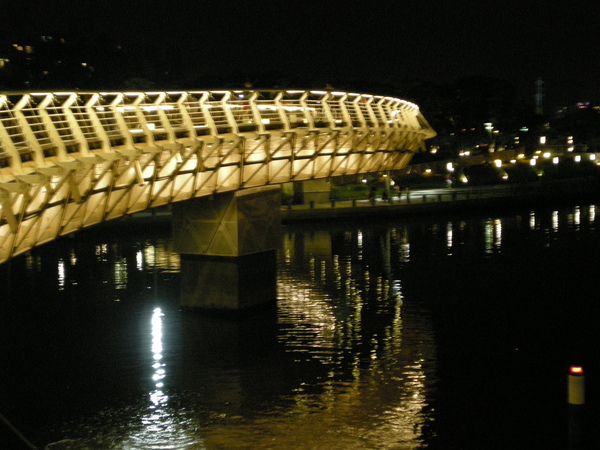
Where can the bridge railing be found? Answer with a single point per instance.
(70, 160)
(39, 128)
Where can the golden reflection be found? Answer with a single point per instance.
(498, 233)
(388, 376)
(307, 319)
(101, 252)
(149, 256)
(33, 263)
(73, 258)
(161, 256)
(367, 278)
(288, 256)
(121, 273)
(493, 235)
(574, 218)
(336, 272)
(404, 246)
(489, 237)
(312, 268)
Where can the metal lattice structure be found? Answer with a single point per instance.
(70, 160)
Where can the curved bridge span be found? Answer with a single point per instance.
(70, 160)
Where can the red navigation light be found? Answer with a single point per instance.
(576, 370)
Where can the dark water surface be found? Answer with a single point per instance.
(442, 333)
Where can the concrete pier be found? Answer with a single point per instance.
(228, 248)
(315, 191)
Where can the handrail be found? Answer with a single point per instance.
(70, 160)
(36, 126)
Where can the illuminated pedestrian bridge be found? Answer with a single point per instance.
(70, 160)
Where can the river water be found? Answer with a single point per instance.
(451, 332)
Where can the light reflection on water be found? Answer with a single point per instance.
(368, 389)
(352, 362)
(160, 427)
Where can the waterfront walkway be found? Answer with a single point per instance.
(428, 202)
(440, 200)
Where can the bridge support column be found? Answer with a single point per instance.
(316, 191)
(228, 244)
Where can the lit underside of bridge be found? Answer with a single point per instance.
(70, 160)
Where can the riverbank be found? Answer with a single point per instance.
(442, 201)
(417, 202)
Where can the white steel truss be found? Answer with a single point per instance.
(70, 160)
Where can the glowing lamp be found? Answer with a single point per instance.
(576, 385)
(576, 370)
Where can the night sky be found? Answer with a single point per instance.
(391, 41)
